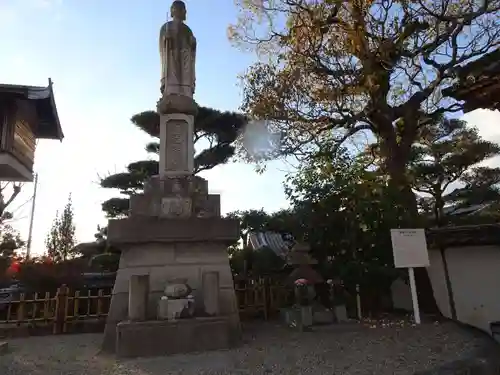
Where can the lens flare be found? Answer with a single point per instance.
(259, 141)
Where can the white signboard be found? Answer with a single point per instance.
(409, 247)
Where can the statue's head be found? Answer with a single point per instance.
(178, 10)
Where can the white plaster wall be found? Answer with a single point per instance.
(475, 279)
(401, 295)
(438, 281)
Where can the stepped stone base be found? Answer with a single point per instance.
(174, 231)
(155, 338)
(166, 249)
(127, 233)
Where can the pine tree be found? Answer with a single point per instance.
(447, 153)
(215, 135)
(61, 238)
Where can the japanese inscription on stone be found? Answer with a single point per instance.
(175, 207)
(177, 143)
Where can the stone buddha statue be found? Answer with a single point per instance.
(178, 54)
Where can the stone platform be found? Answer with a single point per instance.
(166, 249)
(161, 337)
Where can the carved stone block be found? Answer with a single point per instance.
(185, 185)
(205, 206)
(177, 104)
(177, 146)
(176, 207)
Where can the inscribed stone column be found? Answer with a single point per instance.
(176, 145)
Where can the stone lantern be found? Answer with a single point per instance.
(300, 259)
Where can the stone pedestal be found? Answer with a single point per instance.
(298, 317)
(165, 243)
(172, 309)
(322, 316)
(162, 337)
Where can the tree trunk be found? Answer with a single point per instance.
(438, 208)
(395, 165)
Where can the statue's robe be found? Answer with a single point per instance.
(178, 59)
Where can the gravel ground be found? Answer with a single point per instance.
(268, 349)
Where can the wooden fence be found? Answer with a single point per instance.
(60, 312)
(261, 297)
(81, 311)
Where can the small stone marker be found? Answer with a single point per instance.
(210, 291)
(138, 297)
(341, 313)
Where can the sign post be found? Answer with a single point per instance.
(414, 297)
(409, 247)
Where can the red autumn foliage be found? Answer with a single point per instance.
(13, 269)
(41, 274)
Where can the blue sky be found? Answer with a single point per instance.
(103, 58)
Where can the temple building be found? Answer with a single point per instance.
(478, 83)
(27, 113)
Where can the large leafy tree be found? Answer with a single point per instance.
(215, 133)
(446, 156)
(336, 68)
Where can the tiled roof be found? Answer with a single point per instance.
(488, 65)
(272, 240)
(452, 236)
(42, 98)
(478, 83)
(466, 235)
